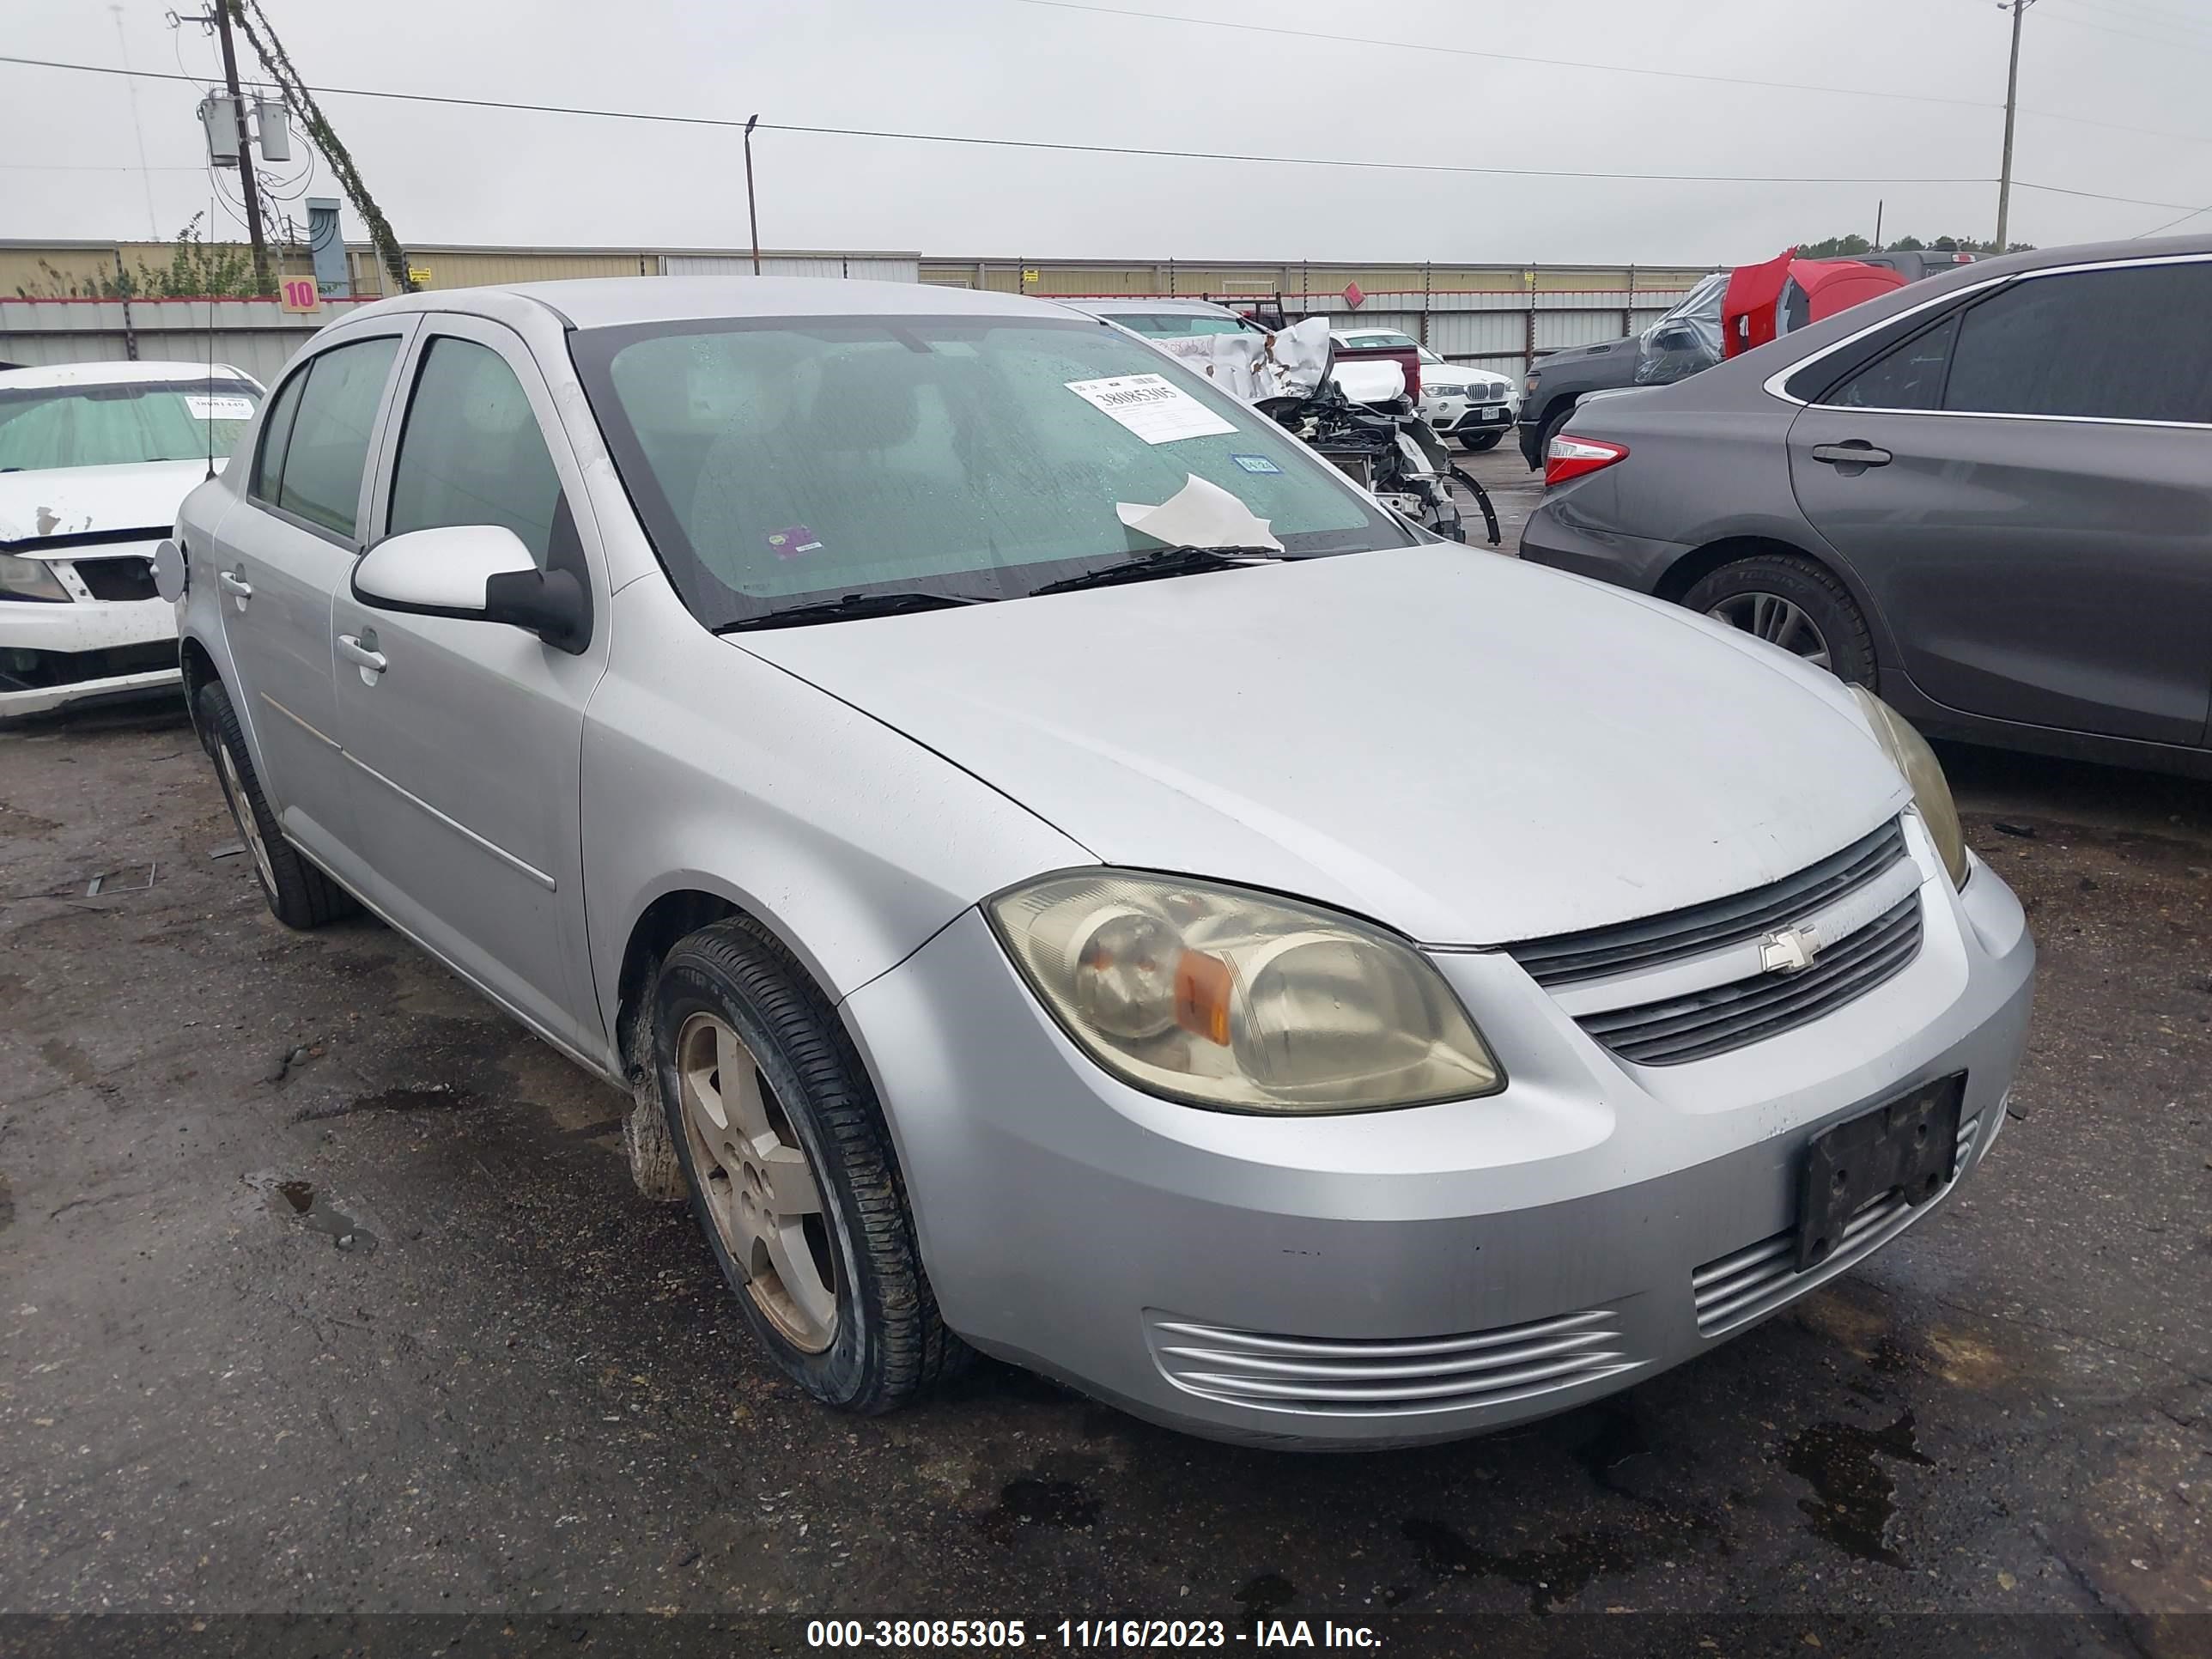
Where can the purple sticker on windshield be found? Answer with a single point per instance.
(790, 544)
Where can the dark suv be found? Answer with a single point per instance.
(1988, 493)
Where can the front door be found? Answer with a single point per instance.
(466, 743)
(2026, 488)
(286, 549)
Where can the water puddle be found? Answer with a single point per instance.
(315, 1213)
(1854, 1495)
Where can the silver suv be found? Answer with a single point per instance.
(1054, 862)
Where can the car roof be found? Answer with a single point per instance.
(612, 301)
(114, 373)
(1141, 306)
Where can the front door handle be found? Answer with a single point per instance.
(234, 583)
(1855, 451)
(360, 651)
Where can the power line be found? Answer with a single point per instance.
(1429, 50)
(2127, 34)
(1040, 143)
(2146, 235)
(2095, 195)
(1503, 57)
(2144, 18)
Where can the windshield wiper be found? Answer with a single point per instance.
(1162, 562)
(853, 604)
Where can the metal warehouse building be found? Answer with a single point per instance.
(1504, 316)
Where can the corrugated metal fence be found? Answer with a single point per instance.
(1500, 328)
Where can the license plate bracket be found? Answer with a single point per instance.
(1905, 1145)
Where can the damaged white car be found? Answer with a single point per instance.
(94, 459)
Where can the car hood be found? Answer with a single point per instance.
(1465, 748)
(76, 501)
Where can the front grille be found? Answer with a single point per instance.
(1735, 1289)
(127, 578)
(1359, 1375)
(1745, 1010)
(1627, 947)
(1487, 394)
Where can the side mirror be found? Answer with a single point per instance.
(474, 573)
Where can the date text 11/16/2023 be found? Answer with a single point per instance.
(999, 1635)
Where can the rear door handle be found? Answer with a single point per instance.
(361, 653)
(234, 583)
(1855, 452)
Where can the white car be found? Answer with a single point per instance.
(1474, 405)
(95, 459)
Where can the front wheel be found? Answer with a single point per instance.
(1794, 603)
(1475, 442)
(790, 1171)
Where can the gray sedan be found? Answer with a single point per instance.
(1990, 494)
(1058, 871)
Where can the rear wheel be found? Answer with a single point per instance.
(1794, 603)
(790, 1171)
(1475, 442)
(299, 894)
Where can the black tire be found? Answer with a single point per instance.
(1740, 594)
(299, 894)
(888, 1344)
(1475, 442)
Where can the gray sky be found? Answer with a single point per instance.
(1007, 69)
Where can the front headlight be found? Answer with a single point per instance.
(1237, 1000)
(30, 579)
(1931, 792)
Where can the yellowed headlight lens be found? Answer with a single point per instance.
(1931, 790)
(1239, 1000)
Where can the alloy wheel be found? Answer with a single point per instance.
(759, 1188)
(241, 813)
(1776, 621)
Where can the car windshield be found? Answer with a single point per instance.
(776, 462)
(118, 422)
(1177, 325)
(1381, 342)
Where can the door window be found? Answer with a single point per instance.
(328, 448)
(2115, 344)
(276, 434)
(471, 452)
(1911, 376)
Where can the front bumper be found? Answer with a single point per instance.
(55, 655)
(1456, 417)
(1406, 1276)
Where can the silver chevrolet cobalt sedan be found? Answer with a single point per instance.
(1062, 873)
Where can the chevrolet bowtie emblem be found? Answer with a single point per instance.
(1789, 951)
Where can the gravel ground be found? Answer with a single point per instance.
(323, 1287)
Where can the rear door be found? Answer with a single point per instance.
(467, 744)
(286, 549)
(2026, 488)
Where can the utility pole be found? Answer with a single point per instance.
(1879, 205)
(2018, 8)
(246, 177)
(752, 213)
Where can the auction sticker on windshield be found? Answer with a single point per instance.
(221, 407)
(1151, 407)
